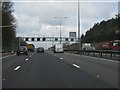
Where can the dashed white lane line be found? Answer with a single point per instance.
(26, 59)
(4, 79)
(98, 76)
(33, 53)
(30, 56)
(75, 65)
(61, 58)
(18, 67)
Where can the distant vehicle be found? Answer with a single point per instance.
(22, 50)
(40, 49)
(30, 47)
(106, 46)
(112, 45)
(87, 46)
(58, 48)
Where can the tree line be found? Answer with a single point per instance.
(103, 31)
(9, 39)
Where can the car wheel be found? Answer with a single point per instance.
(26, 53)
(18, 53)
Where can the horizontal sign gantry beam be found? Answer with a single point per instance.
(56, 39)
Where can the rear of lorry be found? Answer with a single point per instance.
(58, 48)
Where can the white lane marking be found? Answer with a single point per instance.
(4, 79)
(98, 76)
(30, 56)
(61, 58)
(95, 58)
(17, 68)
(73, 54)
(34, 53)
(26, 59)
(75, 65)
(102, 59)
(7, 56)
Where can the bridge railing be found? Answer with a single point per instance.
(97, 53)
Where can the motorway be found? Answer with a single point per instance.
(58, 70)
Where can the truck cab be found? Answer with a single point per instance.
(30, 47)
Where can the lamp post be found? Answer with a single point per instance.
(79, 41)
(60, 25)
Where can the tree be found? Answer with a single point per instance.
(103, 31)
(8, 28)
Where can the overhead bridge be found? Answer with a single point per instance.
(56, 39)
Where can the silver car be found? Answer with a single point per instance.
(22, 50)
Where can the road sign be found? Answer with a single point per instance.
(72, 34)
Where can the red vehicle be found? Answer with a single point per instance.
(112, 45)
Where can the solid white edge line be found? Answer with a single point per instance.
(17, 68)
(102, 59)
(95, 58)
(7, 56)
(75, 65)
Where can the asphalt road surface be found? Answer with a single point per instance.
(58, 70)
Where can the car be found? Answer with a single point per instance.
(22, 50)
(40, 49)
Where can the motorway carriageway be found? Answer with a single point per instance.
(58, 70)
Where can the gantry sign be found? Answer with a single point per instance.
(56, 39)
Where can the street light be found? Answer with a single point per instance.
(79, 40)
(60, 25)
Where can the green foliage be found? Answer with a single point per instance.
(9, 32)
(103, 31)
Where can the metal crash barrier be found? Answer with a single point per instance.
(97, 53)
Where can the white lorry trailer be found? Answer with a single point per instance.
(58, 48)
(87, 46)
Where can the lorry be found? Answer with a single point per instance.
(112, 45)
(87, 46)
(30, 47)
(58, 48)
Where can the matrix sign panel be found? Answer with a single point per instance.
(72, 34)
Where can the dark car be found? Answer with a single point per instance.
(40, 49)
(22, 50)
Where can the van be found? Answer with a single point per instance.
(58, 48)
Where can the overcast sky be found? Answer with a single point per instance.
(36, 17)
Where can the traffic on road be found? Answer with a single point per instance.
(59, 44)
(58, 70)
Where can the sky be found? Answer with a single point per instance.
(36, 17)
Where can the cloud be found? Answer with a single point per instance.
(96, 12)
(37, 18)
